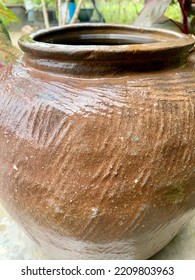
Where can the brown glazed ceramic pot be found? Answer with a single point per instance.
(97, 135)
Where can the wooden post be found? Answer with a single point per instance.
(59, 12)
(45, 14)
(76, 13)
(65, 12)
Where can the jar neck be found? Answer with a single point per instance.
(96, 50)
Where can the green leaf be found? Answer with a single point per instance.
(6, 14)
(4, 31)
(8, 53)
(166, 23)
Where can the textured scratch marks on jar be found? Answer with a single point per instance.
(89, 226)
(134, 223)
(63, 97)
(46, 125)
(144, 178)
(189, 112)
(77, 100)
(70, 154)
(108, 94)
(172, 139)
(41, 123)
(155, 87)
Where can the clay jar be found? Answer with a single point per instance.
(97, 136)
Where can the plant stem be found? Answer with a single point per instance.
(182, 4)
(76, 13)
(45, 14)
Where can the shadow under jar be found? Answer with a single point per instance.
(97, 135)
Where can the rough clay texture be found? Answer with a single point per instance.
(98, 168)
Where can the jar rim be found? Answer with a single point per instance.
(169, 38)
(156, 42)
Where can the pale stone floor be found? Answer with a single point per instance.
(14, 37)
(15, 244)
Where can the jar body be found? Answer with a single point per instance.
(98, 168)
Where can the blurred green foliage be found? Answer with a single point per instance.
(126, 11)
(173, 11)
(49, 3)
(10, 2)
(5, 14)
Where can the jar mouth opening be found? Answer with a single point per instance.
(96, 36)
(98, 39)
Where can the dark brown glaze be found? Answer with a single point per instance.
(99, 168)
